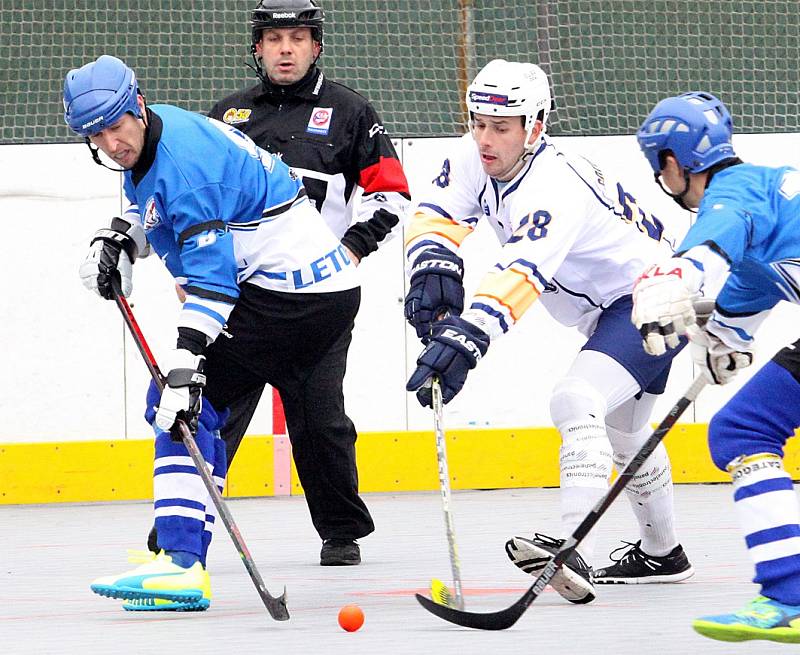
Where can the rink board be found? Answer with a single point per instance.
(387, 461)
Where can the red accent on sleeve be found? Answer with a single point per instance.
(386, 175)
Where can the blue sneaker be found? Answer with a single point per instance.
(161, 605)
(762, 618)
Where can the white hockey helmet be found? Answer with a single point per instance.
(508, 88)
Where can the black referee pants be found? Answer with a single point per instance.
(298, 343)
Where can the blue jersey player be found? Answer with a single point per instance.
(746, 241)
(259, 266)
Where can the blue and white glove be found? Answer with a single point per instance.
(182, 396)
(435, 289)
(112, 252)
(455, 347)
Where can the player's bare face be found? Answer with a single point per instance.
(500, 142)
(287, 53)
(123, 141)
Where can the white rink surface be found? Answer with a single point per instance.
(49, 554)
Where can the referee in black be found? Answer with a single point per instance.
(335, 140)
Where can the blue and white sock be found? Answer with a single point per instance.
(769, 515)
(219, 472)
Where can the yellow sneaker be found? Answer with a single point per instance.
(762, 618)
(140, 556)
(158, 579)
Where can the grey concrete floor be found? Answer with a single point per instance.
(50, 553)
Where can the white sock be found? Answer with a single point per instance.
(656, 519)
(649, 492)
(576, 502)
(578, 411)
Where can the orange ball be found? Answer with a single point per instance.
(351, 618)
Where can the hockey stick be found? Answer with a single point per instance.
(507, 617)
(275, 606)
(438, 589)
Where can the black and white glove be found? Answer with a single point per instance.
(663, 299)
(112, 252)
(717, 362)
(455, 348)
(182, 396)
(435, 289)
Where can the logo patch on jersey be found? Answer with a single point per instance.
(235, 116)
(151, 216)
(377, 128)
(320, 121)
(488, 98)
(790, 184)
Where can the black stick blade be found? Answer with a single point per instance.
(276, 606)
(491, 621)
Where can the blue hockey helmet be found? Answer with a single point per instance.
(98, 94)
(696, 127)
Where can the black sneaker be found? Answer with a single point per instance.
(339, 552)
(634, 566)
(573, 580)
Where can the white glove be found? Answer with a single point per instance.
(717, 362)
(183, 392)
(663, 300)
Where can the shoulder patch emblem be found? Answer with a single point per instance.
(151, 217)
(790, 184)
(320, 121)
(234, 116)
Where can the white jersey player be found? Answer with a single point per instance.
(574, 237)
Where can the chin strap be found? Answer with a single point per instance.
(96, 157)
(256, 66)
(677, 197)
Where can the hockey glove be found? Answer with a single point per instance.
(112, 252)
(455, 347)
(718, 362)
(663, 303)
(435, 289)
(182, 396)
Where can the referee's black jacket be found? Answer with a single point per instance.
(333, 137)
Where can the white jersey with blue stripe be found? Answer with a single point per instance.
(220, 211)
(570, 234)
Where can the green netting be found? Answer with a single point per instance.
(609, 61)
